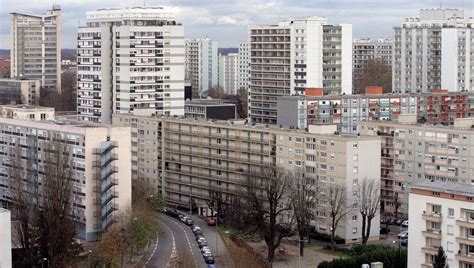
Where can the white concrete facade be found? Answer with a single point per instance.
(36, 47)
(101, 157)
(296, 54)
(6, 238)
(229, 73)
(433, 51)
(202, 65)
(441, 214)
(26, 112)
(130, 60)
(244, 65)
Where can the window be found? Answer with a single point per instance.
(354, 217)
(354, 230)
(450, 230)
(355, 157)
(450, 247)
(355, 145)
(451, 212)
(355, 170)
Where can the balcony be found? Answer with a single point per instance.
(432, 250)
(466, 240)
(432, 216)
(467, 223)
(465, 257)
(432, 233)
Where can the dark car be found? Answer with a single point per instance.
(404, 241)
(399, 221)
(209, 259)
(171, 212)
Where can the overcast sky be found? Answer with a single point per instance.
(226, 20)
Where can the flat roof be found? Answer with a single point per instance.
(26, 107)
(246, 125)
(446, 187)
(380, 96)
(209, 102)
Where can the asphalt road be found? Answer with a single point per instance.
(175, 240)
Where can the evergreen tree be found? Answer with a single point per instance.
(440, 259)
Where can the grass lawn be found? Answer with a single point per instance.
(334, 253)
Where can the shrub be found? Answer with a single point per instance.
(325, 238)
(361, 254)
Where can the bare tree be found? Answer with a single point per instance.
(368, 199)
(374, 73)
(338, 208)
(303, 198)
(56, 225)
(23, 209)
(268, 204)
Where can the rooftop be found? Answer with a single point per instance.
(208, 102)
(446, 187)
(27, 107)
(245, 124)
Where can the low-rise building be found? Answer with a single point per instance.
(100, 156)
(16, 91)
(190, 159)
(413, 152)
(27, 112)
(209, 109)
(441, 215)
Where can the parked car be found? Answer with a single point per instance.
(211, 222)
(209, 259)
(404, 241)
(205, 249)
(200, 237)
(184, 219)
(189, 222)
(202, 243)
(405, 223)
(211, 266)
(384, 230)
(195, 229)
(171, 212)
(403, 234)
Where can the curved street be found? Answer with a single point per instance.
(175, 239)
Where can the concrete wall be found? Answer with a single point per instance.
(6, 239)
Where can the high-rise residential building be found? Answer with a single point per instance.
(296, 54)
(365, 49)
(438, 107)
(416, 153)
(36, 47)
(190, 159)
(244, 65)
(130, 60)
(202, 65)
(100, 157)
(433, 51)
(229, 73)
(14, 91)
(441, 215)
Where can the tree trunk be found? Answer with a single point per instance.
(367, 231)
(301, 244)
(332, 238)
(271, 255)
(364, 241)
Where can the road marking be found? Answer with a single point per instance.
(173, 248)
(154, 250)
(187, 238)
